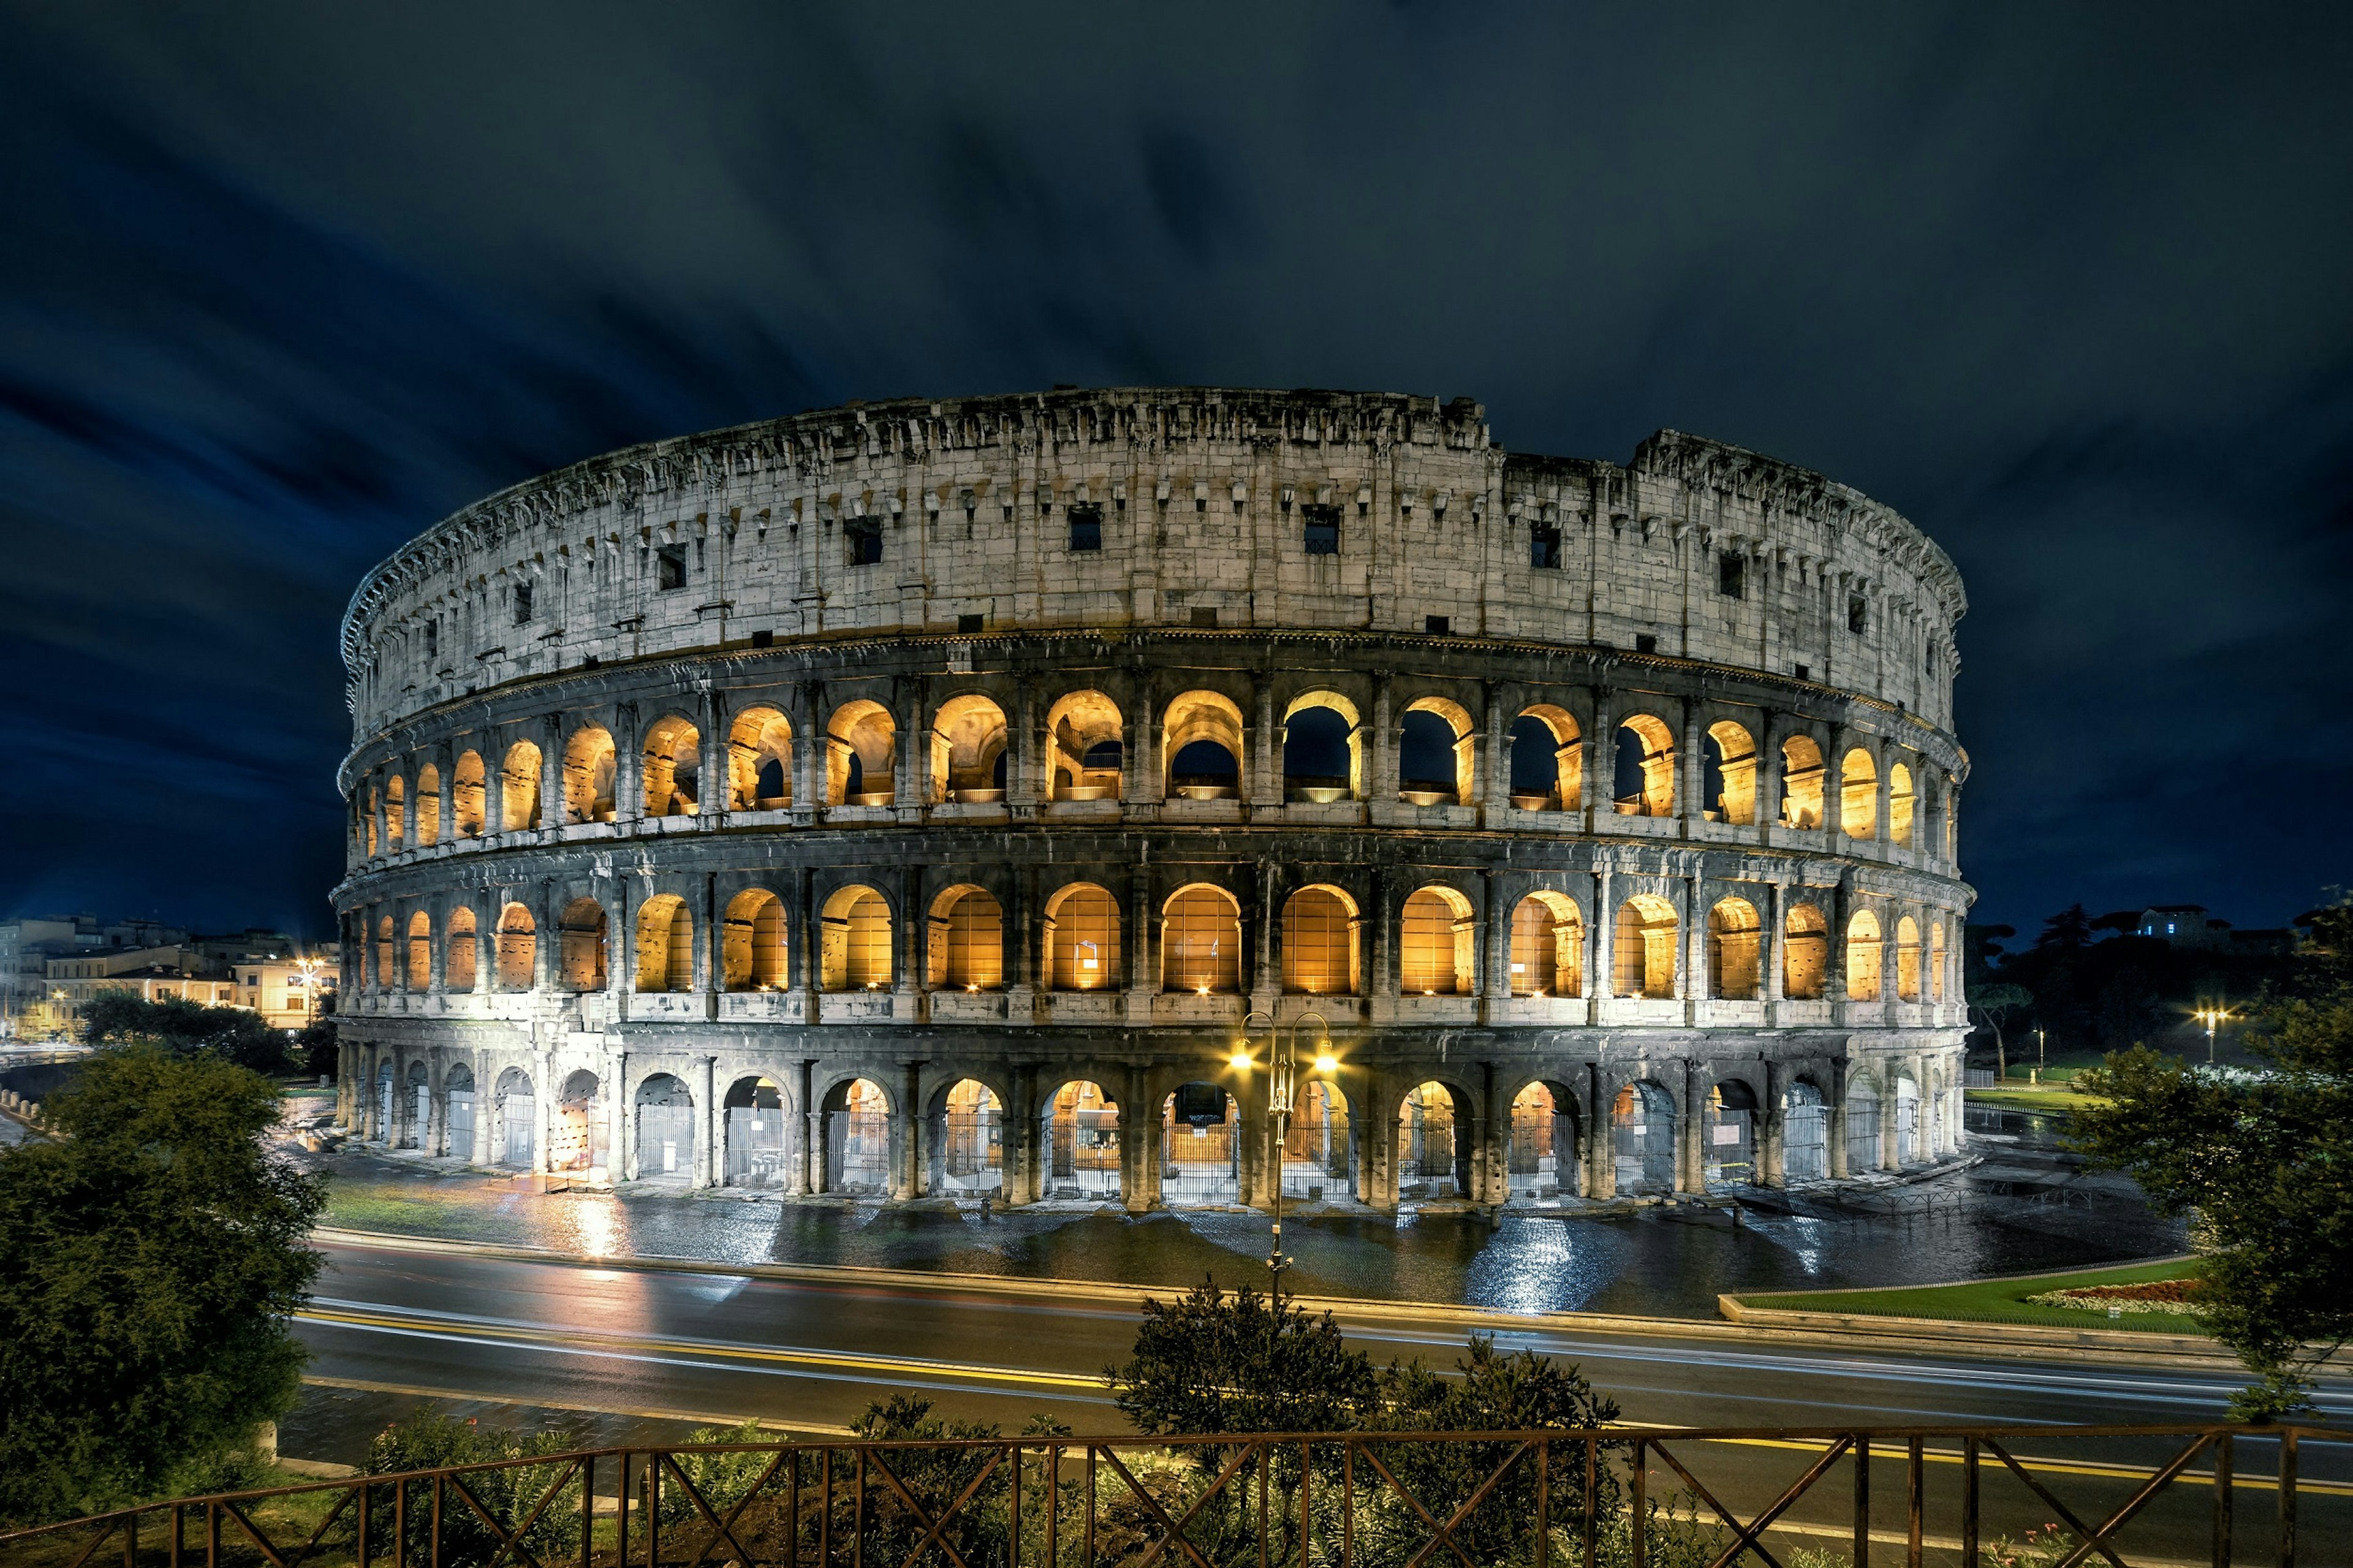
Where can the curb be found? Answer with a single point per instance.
(1915, 1335)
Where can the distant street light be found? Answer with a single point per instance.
(2210, 1016)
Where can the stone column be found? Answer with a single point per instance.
(1491, 1180)
(1772, 1129)
(1142, 771)
(1602, 972)
(1693, 1162)
(1494, 958)
(486, 1110)
(816, 1146)
(542, 1106)
(445, 768)
(1025, 772)
(550, 772)
(1834, 1115)
(809, 747)
(710, 954)
(1262, 978)
(1692, 785)
(1776, 936)
(1602, 776)
(1601, 1135)
(1139, 1145)
(710, 1166)
(1264, 785)
(629, 765)
(803, 950)
(714, 789)
(1381, 980)
(1381, 770)
(1143, 947)
(914, 788)
(1019, 1163)
(908, 976)
(1494, 781)
(909, 1181)
(620, 1153)
(1770, 790)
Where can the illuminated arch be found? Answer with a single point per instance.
(1083, 939)
(1445, 771)
(1084, 749)
(1319, 943)
(1201, 940)
(1645, 785)
(580, 934)
(588, 763)
(428, 807)
(1907, 960)
(1547, 759)
(1547, 946)
(1732, 759)
(1438, 943)
(968, 755)
(856, 947)
(1643, 947)
(1203, 720)
(420, 952)
(518, 948)
(458, 970)
(519, 788)
(468, 795)
(1805, 952)
(1801, 783)
(760, 760)
(860, 755)
(1862, 957)
(1322, 748)
(395, 813)
(752, 942)
(1902, 803)
(966, 952)
(665, 944)
(1733, 936)
(1858, 794)
(673, 768)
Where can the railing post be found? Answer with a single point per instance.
(858, 1513)
(1053, 1501)
(2222, 1499)
(1348, 1504)
(1265, 1472)
(620, 1512)
(179, 1529)
(212, 1532)
(1638, 1482)
(1087, 1547)
(434, 1550)
(653, 1509)
(1862, 1501)
(1543, 1504)
(825, 1509)
(362, 1555)
(130, 1541)
(1912, 1479)
(400, 1524)
(588, 1510)
(1306, 1518)
(792, 1490)
(1968, 1502)
(2287, 1499)
(1592, 1469)
(1013, 1536)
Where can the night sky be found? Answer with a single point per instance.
(2073, 290)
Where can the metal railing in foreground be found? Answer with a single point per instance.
(1617, 1497)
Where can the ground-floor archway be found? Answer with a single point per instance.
(1728, 1148)
(517, 1119)
(759, 1134)
(417, 1102)
(1319, 1150)
(1862, 1129)
(385, 1125)
(968, 1142)
(1642, 1132)
(1805, 1136)
(1540, 1150)
(665, 1118)
(1907, 1121)
(1078, 1139)
(458, 1095)
(857, 1140)
(1200, 1151)
(1431, 1160)
(576, 1134)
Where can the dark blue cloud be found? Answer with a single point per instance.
(285, 286)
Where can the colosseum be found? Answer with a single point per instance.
(1004, 796)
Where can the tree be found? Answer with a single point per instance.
(236, 1034)
(1210, 1362)
(2266, 1164)
(1994, 1004)
(314, 1047)
(150, 1258)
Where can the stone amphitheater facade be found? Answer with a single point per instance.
(927, 798)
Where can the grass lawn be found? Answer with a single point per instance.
(2020, 1095)
(2003, 1301)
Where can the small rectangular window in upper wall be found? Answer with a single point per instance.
(1732, 576)
(1086, 525)
(1858, 614)
(863, 535)
(521, 603)
(1646, 642)
(670, 566)
(970, 623)
(1323, 522)
(1543, 547)
(433, 637)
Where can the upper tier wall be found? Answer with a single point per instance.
(1205, 497)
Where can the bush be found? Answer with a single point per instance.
(184, 1026)
(434, 1440)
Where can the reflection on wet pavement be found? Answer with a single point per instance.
(2029, 1207)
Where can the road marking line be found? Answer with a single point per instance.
(642, 1412)
(838, 1361)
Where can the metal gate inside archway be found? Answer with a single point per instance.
(1642, 1131)
(1319, 1151)
(1540, 1157)
(759, 1139)
(1198, 1147)
(1806, 1142)
(1079, 1132)
(665, 1117)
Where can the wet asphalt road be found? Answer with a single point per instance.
(810, 1355)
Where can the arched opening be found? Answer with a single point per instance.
(760, 761)
(1084, 751)
(1907, 960)
(1547, 946)
(517, 1114)
(968, 754)
(467, 794)
(967, 1141)
(1200, 1153)
(416, 1120)
(1862, 1145)
(588, 775)
(968, 941)
(1438, 944)
(1319, 944)
(519, 788)
(1728, 1149)
(1201, 942)
(386, 970)
(458, 1098)
(1642, 1129)
(1863, 958)
(1436, 754)
(420, 952)
(857, 1139)
(1732, 938)
(1083, 939)
(1729, 786)
(1319, 1146)
(673, 768)
(1936, 960)
(860, 755)
(518, 948)
(386, 1110)
(582, 933)
(665, 944)
(1323, 747)
(575, 1131)
(1859, 795)
(1540, 1155)
(1805, 1135)
(759, 1134)
(1907, 1121)
(1204, 747)
(428, 807)
(1644, 948)
(1901, 800)
(458, 973)
(1801, 783)
(363, 809)
(1431, 1162)
(752, 942)
(665, 1118)
(1805, 953)
(1547, 760)
(1644, 785)
(855, 950)
(1078, 1137)
(396, 809)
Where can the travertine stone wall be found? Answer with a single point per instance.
(715, 763)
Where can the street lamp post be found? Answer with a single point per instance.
(2210, 1016)
(2042, 1057)
(1281, 1099)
